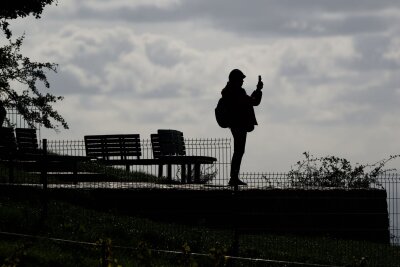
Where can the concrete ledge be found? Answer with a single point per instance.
(359, 214)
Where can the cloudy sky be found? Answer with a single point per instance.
(330, 71)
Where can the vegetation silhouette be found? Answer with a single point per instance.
(31, 102)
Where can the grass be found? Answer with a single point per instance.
(24, 213)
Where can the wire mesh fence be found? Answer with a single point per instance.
(216, 175)
(212, 174)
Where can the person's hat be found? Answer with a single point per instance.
(236, 74)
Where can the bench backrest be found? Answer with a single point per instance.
(27, 142)
(168, 143)
(117, 146)
(8, 145)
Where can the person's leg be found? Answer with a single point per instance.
(239, 144)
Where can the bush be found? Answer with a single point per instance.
(331, 171)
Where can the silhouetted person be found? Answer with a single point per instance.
(3, 114)
(242, 118)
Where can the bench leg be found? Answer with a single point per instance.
(169, 172)
(183, 173)
(197, 173)
(189, 174)
(160, 170)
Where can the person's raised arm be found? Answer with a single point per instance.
(257, 94)
(260, 84)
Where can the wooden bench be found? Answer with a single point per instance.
(23, 151)
(116, 150)
(64, 167)
(169, 148)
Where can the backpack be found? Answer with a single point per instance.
(222, 113)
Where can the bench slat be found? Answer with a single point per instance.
(27, 141)
(168, 143)
(116, 145)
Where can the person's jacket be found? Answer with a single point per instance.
(241, 107)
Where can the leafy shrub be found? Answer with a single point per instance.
(331, 171)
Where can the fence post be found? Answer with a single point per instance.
(44, 165)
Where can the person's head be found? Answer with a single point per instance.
(236, 77)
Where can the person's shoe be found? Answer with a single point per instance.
(241, 182)
(233, 182)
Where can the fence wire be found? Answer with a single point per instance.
(213, 174)
(105, 251)
(218, 174)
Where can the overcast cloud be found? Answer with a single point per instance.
(330, 71)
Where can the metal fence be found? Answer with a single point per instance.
(15, 119)
(216, 174)
(219, 148)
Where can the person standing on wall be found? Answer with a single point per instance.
(242, 117)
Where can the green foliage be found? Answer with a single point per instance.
(20, 8)
(207, 174)
(187, 260)
(33, 105)
(144, 254)
(23, 8)
(107, 258)
(15, 259)
(359, 262)
(333, 171)
(218, 255)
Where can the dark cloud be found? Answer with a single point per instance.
(260, 17)
(66, 83)
(381, 99)
(371, 51)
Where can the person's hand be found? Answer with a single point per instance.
(260, 84)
